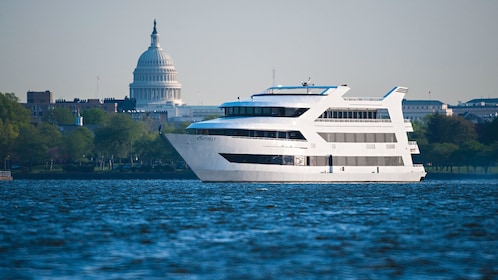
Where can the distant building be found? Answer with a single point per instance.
(153, 119)
(478, 110)
(199, 113)
(416, 110)
(41, 102)
(78, 105)
(123, 105)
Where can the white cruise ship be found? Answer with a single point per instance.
(304, 134)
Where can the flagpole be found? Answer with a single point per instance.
(97, 92)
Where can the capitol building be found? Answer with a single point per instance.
(155, 84)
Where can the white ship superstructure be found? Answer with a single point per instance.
(304, 134)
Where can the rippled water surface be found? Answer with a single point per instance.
(187, 229)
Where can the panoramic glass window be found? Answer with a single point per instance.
(264, 111)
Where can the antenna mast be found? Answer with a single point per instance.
(273, 77)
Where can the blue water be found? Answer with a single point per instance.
(184, 229)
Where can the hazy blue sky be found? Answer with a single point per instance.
(227, 48)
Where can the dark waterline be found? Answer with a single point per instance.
(186, 229)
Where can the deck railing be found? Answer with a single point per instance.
(354, 120)
(362, 99)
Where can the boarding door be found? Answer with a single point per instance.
(330, 164)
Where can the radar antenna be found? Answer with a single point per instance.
(307, 83)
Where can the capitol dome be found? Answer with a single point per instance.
(154, 78)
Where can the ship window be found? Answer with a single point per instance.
(361, 161)
(289, 111)
(298, 112)
(315, 160)
(359, 137)
(288, 160)
(216, 132)
(370, 137)
(339, 137)
(340, 161)
(350, 137)
(264, 111)
(354, 114)
(368, 161)
(293, 135)
(275, 111)
(351, 161)
(258, 159)
(250, 111)
(240, 132)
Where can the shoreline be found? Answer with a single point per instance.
(452, 176)
(184, 175)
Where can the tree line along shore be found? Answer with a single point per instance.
(119, 147)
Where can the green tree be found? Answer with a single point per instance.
(51, 139)
(489, 132)
(144, 148)
(454, 129)
(11, 110)
(468, 154)
(13, 116)
(78, 144)
(485, 157)
(441, 155)
(151, 148)
(9, 132)
(94, 116)
(118, 136)
(28, 147)
(60, 116)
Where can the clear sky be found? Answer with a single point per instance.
(223, 49)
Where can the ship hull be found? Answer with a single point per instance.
(204, 155)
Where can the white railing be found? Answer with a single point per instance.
(353, 120)
(362, 99)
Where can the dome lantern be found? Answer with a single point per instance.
(154, 37)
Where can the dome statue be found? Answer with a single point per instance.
(154, 78)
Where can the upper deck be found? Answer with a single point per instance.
(284, 96)
(296, 90)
